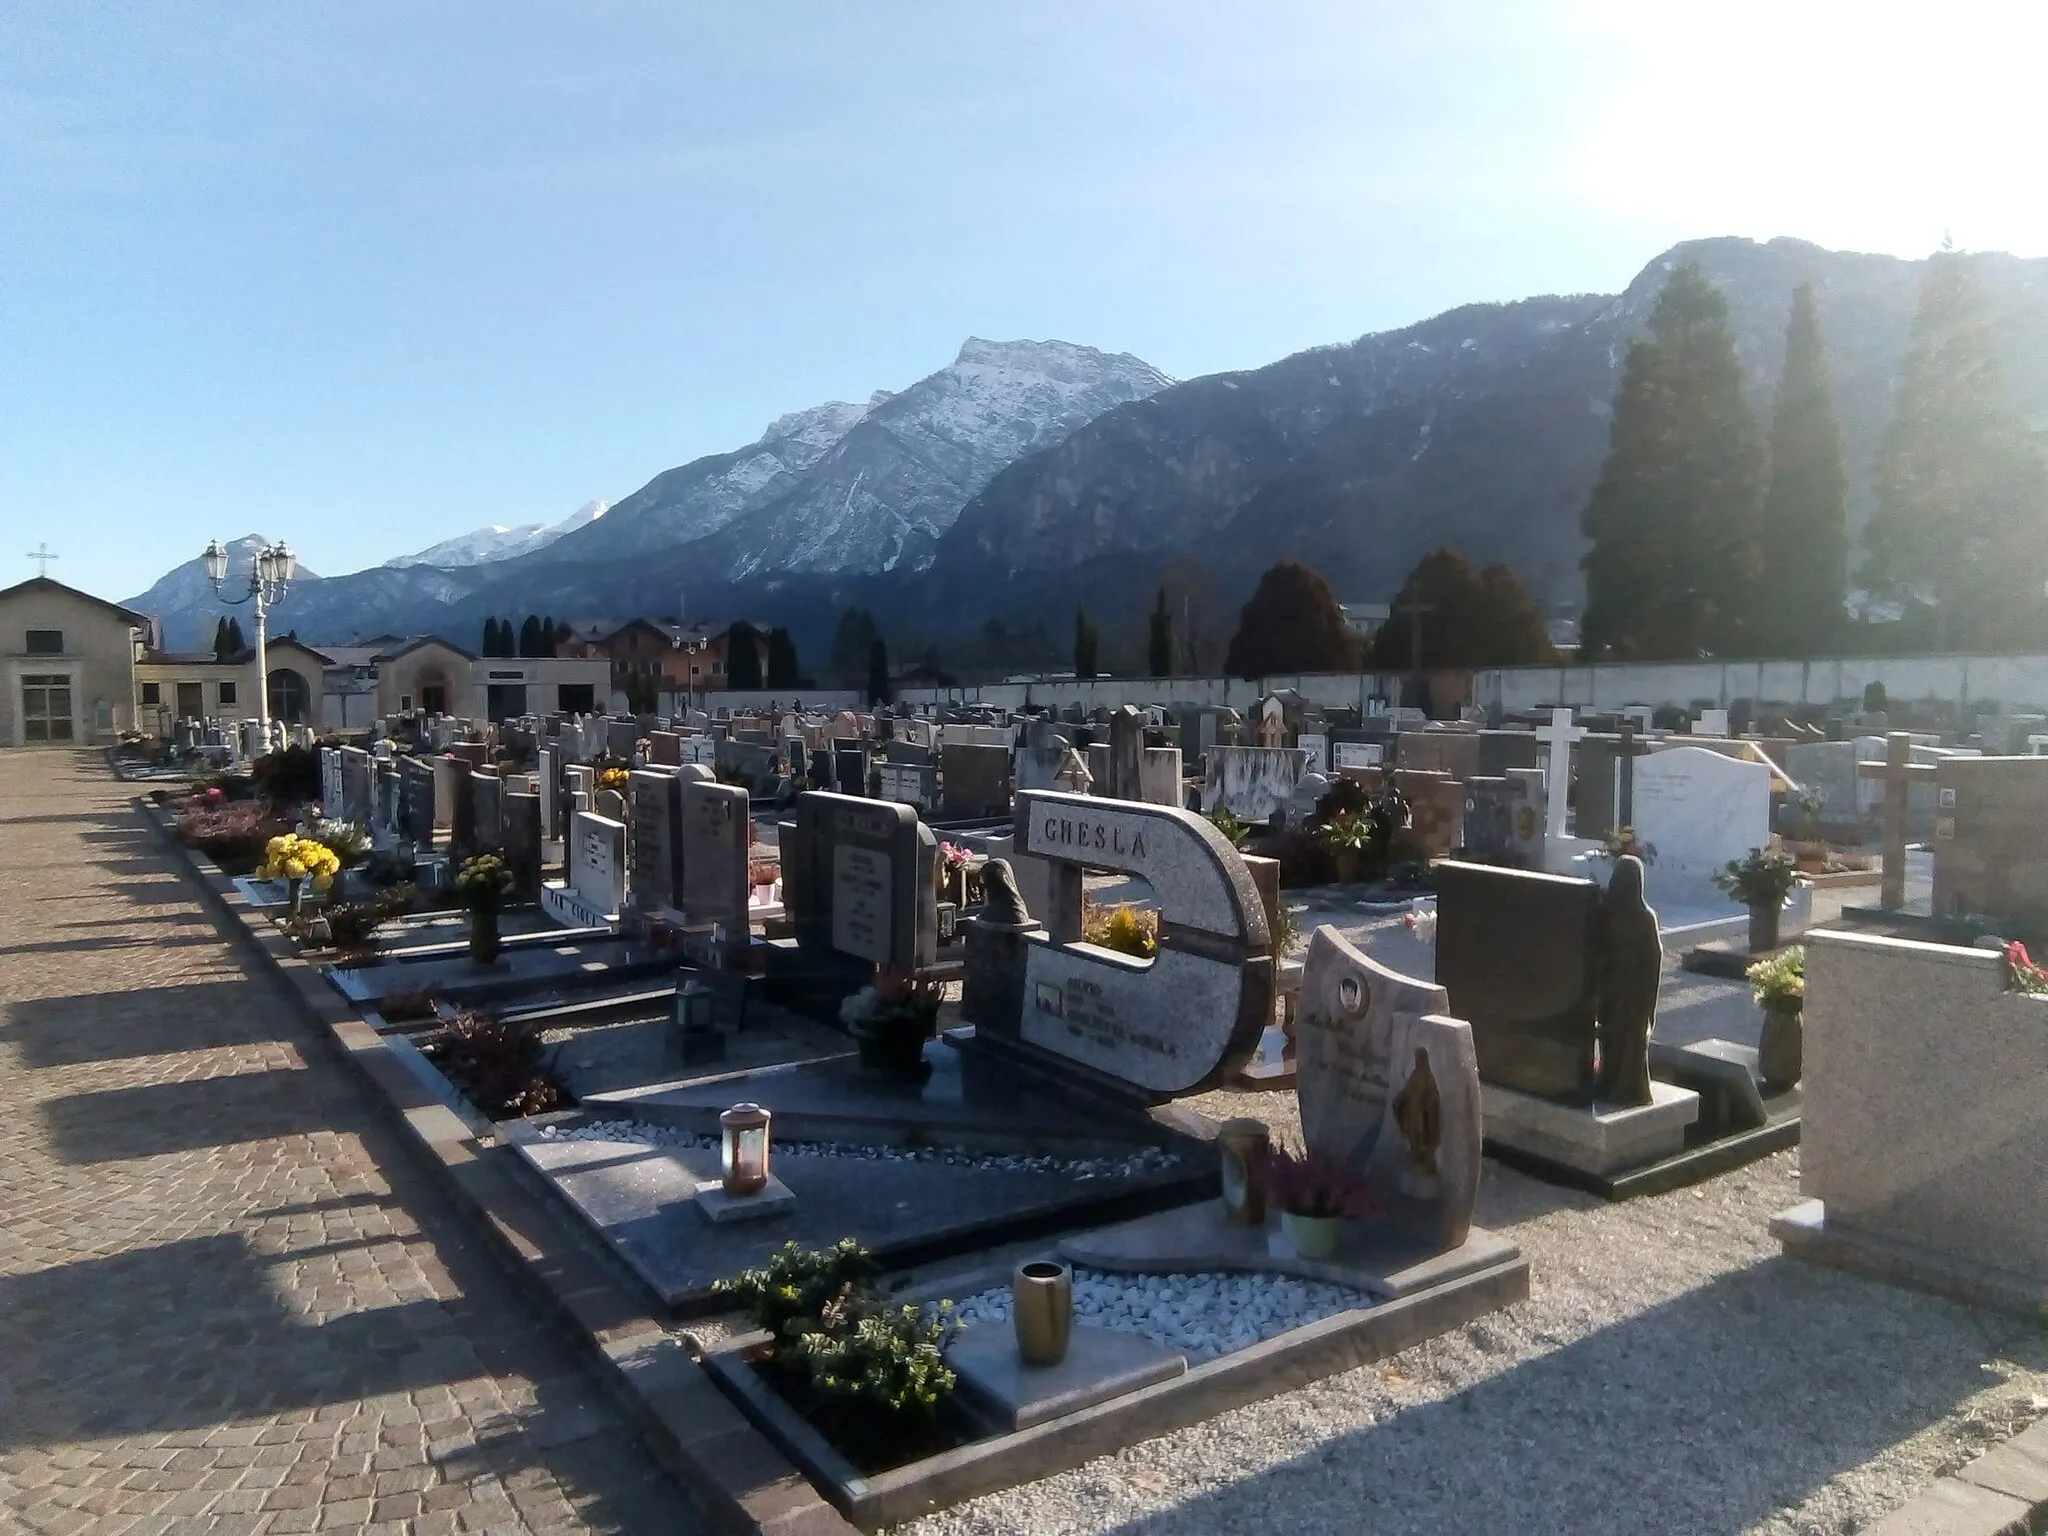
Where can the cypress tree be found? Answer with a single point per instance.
(548, 637)
(1473, 619)
(1673, 520)
(220, 638)
(878, 671)
(782, 664)
(1087, 644)
(529, 635)
(1961, 507)
(743, 656)
(1159, 640)
(236, 644)
(490, 644)
(1806, 508)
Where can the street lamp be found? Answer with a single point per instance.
(270, 579)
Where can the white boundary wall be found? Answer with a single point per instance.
(2014, 681)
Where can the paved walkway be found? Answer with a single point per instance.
(229, 1299)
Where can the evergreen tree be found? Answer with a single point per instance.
(1806, 508)
(221, 648)
(852, 644)
(548, 638)
(1962, 514)
(236, 644)
(490, 645)
(529, 635)
(878, 671)
(1087, 644)
(1472, 619)
(782, 663)
(1291, 624)
(743, 656)
(1673, 521)
(1159, 639)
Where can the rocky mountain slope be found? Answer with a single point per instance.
(495, 541)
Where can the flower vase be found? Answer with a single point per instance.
(298, 896)
(483, 935)
(1313, 1237)
(1781, 1048)
(1042, 1311)
(1763, 928)
(1347, 866)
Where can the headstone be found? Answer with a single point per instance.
(1317, 745)
(1160, 779)
(1558, 737)
(717, 837)
(333, 799)
(445, 770)
(858, 879)
(621, 739)
(1123, 756)
(665, 749)
(1991, 843)
(522, 843)
(486, 792)
(1358, 754)
(974, 779)
(1453, 752)
(1515, 951)
(384, 802)
(594, 891)
(1698, 810)
(654, 840)
(1436, 805)
(416, 802)
(912, 784)
(1191, 1016)
(1711, 722)
(1389, 1084)
(357, 788)
(1252, 783)
(850, 766)
(462, 842)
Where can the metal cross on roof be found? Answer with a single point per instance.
(42, 553)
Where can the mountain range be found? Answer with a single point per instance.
(1025, 477)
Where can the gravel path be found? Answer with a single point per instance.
(1670, 1372)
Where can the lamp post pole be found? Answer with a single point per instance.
(270, 577)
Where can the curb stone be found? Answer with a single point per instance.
(2004, 1492)
(733, 1473)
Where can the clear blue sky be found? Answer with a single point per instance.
(369, 275)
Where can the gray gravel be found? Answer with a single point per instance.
(1670, 1372)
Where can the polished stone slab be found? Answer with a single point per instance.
(1101, 1363)
(1392, 1257)
(519, 968)
(721, 1209)
(640, 1197)
(1601, 1140)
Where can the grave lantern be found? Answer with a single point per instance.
(1244, 1145)
(743, 1155)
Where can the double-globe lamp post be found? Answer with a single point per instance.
(270, 577)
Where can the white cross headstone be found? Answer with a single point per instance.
(1558, 736)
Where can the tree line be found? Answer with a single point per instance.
(1710, 535)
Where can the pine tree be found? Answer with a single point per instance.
(782, 663)
(1087, 644)
(878, 671)
(1291, 624)
(1159, 639)
(853, 642)
(743, 656)
(1962, 513)
(1806, 508)
(1673, 521)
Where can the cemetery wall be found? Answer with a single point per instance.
(2013, 681)
(1329, 689)
(747, 701)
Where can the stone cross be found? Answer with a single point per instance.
(1558, 736)
(1898, 770)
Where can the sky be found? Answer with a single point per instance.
(367, 276)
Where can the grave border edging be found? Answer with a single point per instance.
(737, 1478)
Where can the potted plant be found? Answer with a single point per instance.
(481, 890)
(2024, 975)
(951, 873)
(1315, 1196)
(1779, 986)
(1348, 836)
(297, 860)
(1126, 929)
(891, 1019)
(1760, 882)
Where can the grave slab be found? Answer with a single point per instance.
(1601, 1140)
(720, 1209)
(1101, 1363)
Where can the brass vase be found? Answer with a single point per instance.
(1243, 1145)
(1042, 1304)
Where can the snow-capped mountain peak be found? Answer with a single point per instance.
(495, 541)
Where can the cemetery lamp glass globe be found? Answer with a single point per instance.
(743, 1151)
(284, 564)
(216, 559)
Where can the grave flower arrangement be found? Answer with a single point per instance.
(344, 839)
(613, 779)
(296, 860)
(1760, 882)
(233, 833)
(1622, 841)
(891, 1019)
(480, 890)
(1778, 982)
(2026, 976)
(1350, 836)
(1315, 1196)
(870, 1376)
(1126, 929)
(1230, 826)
